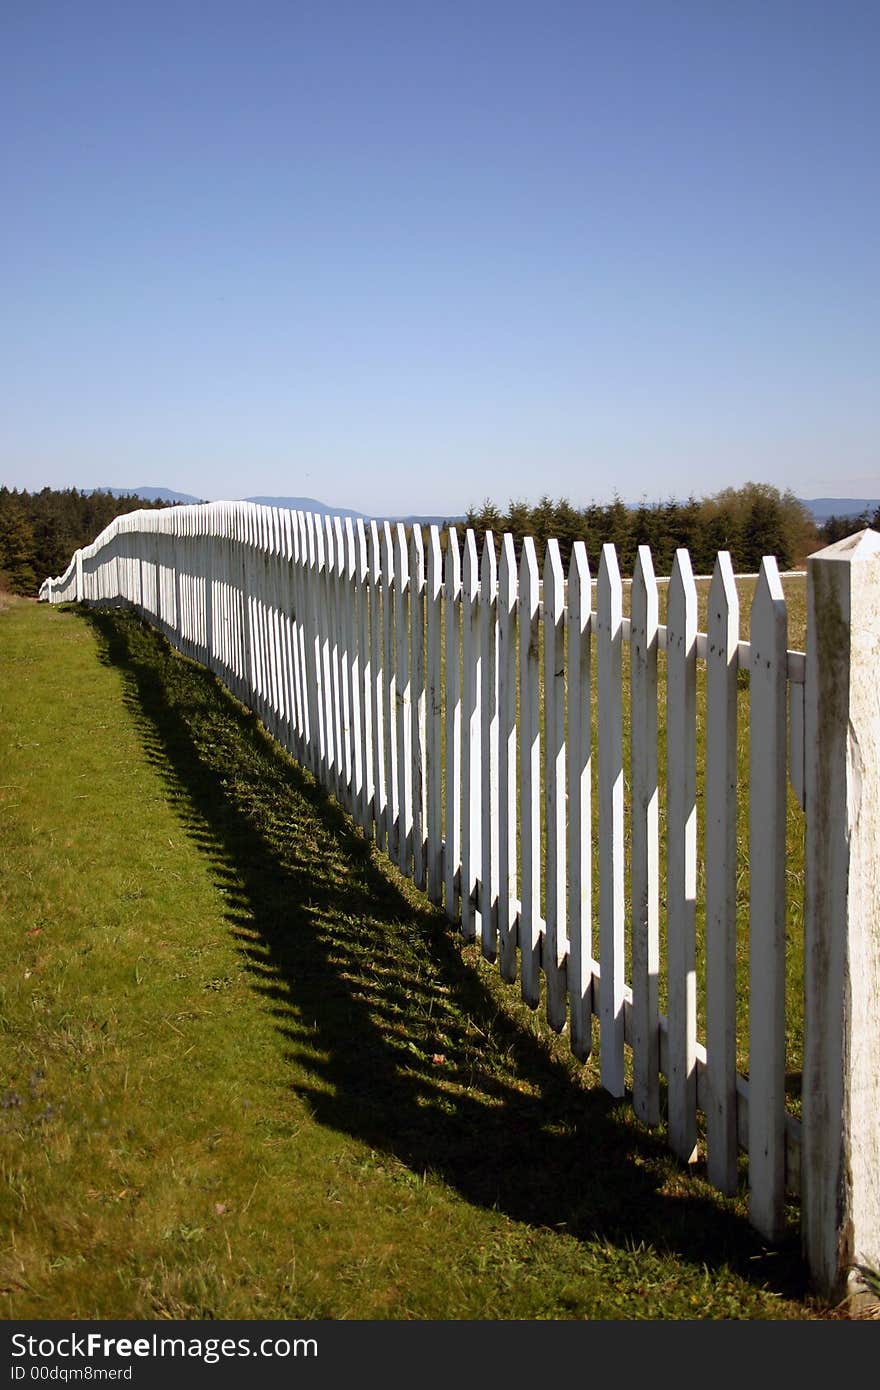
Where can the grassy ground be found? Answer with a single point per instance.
(247, 1072)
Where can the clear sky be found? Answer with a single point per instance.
(401, 255)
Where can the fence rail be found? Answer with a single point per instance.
(454, 703)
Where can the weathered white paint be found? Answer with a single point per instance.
(840, 1169)
(378, 688)
(767, 799)
(389, 690)
(580, 829)
(434, 714)
(507, 760)
(609, 628)
(418, 707)
(530, 775)
(471, 814)
(556, 939)
(362, 589)
(681, 851)
(645, 870)
(488, 811)
(353, 692)
(452, 850)
(720, 822)
(403, 703)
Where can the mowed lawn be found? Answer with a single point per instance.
(246, 1071)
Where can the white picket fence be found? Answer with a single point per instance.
(453, 703)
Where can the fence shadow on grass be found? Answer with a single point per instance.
(402, 1040)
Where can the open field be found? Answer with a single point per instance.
(248, 1072)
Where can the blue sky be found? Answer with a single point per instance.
(404, 256)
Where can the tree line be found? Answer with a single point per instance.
(39, 531)
(751, 522)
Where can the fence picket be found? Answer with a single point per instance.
(353, 674)
(362, 575)
(681, 852)
(418, 704)
(530, 774)
(767, 800)
(434, 769)
(377, 600)
(645, 851)
(507, 769)
(470, 740)
(720, 856)
(403, 706)
(452, 849)
(343, 596)
(555, 938)
(609, 627)
(580, 830)
(488, 811)
(389, 691)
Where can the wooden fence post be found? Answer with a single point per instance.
(840, 1160)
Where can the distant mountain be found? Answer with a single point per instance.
(821, 508)
(149, 494)
(304, 504)
(294, 504)
(309, 504)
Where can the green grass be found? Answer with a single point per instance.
(248, 1072)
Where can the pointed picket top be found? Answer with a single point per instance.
(319, 541)
(580, 585)
(554, 582)
(489, 569)
(644, 605)
(350, 549)
(417, 560)
(375, 555)
(326, 526)
(768, 604)
(362, 563)
(338, 546)
(682, 602)
(723, 603)
(470, 576)
(609, 596)
(387, 554)
(401, 559)
(453, 564)
(528, 570)
(507, 573)
(861, 545)
(434, 563)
